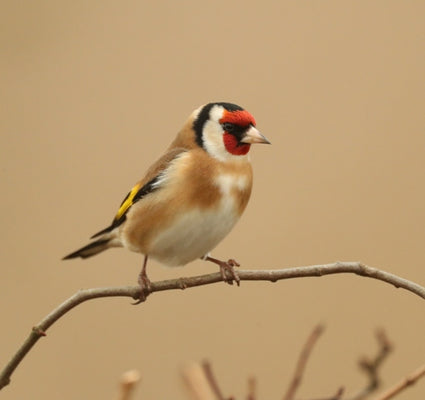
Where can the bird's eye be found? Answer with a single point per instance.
(228, 127)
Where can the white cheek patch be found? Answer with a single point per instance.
(213, 140)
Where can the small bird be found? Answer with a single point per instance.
(191, 197)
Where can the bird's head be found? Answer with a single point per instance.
(225, 130)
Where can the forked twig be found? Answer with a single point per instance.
(205, 380)
(371, 366)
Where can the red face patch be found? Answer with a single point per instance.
(239, 117)
(233, 147)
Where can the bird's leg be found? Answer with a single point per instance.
(228, 272)
(144, 283)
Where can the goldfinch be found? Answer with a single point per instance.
(190, 198)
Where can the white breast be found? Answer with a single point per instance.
(196, 232)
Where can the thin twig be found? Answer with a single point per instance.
(403, 384)
(302, 362)
(128, 382)
(182, 283)
(212, 380)
(197, 383)
(372, 367)
(252, 388)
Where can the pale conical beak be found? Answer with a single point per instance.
(253, 135)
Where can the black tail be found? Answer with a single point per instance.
(89, 250)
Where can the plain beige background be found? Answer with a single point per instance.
(93, 91)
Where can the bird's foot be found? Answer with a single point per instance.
(145, 287)
(228, 272)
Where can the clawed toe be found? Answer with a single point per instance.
(232, 262)
(228, 272)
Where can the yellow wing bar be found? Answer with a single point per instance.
(128, 202)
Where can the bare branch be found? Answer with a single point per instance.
(182, 283)
(252, 388)
(212, 380)
(201, 382)
(371, 367)
(302, 362)
(197, 383)
(403, 384)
